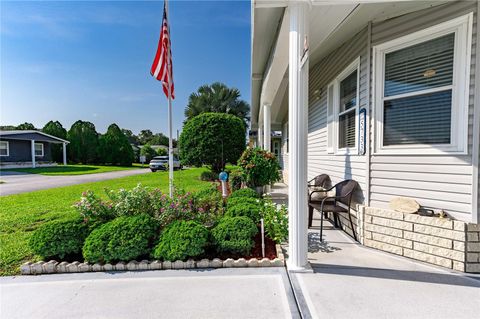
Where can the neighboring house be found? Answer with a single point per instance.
(28, 148)
(383, 92)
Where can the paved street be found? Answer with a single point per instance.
(16, 183)
(219, 293)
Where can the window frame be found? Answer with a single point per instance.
(333, 120)
(462, 27)
(43, 150)
(8, 149)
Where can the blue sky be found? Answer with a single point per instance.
(90, 60)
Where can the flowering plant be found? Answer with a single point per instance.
(275, 219)
(93, 209)
(259, 167)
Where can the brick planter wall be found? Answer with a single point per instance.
(440, 241)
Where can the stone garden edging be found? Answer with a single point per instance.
(54, 267)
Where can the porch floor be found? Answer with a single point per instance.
(353, 281)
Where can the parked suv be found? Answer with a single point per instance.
(161, 163)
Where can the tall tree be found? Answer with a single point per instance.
(132, 138)
(114, 147)
(148, 152)
(83, 145)
(217, 98)
(145, 136)
(212, 139)
(26, 126)
(56, 129)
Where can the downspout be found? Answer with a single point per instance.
(369, 109)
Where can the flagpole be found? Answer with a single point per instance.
(170, 143)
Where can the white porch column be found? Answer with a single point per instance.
(64, 153)
(33, 154)
(267, 129)
(297, 124)
(260, 135)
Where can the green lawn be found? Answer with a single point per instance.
(20, 214)
(73, 169)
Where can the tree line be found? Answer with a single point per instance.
(87, 146)
(212, 139)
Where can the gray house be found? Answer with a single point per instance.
(383, 92)
(28, 148)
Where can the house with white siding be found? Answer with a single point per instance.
(386, 93)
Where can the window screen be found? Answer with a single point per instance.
(347, 111)
(421, 117)
(423, 66)
(346, 134)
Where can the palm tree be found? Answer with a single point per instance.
(217, 98)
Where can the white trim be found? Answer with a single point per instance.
(476, 130)
(462, 27)
(333, 120)
(331, 127)
(43, 153)
(8, 149)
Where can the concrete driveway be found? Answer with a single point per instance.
(16, 182)
(211, 293)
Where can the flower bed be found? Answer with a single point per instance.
(186, 231)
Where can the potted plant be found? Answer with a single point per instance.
(259, 168)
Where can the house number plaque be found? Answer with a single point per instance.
(362, 134)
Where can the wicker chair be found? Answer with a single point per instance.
(343, 195)
(322, 180)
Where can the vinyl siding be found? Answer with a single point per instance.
(339, 167)
(21, 151)
(438, 182)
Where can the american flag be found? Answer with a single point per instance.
(162, 64)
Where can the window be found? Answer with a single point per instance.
(347, 111)
(4, 148)
(422, 90)
(39, 149)
(342, 110)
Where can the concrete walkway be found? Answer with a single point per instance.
(219, 293)
(16, 183)
(352, 281)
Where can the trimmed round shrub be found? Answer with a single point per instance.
(212, 139)
(181, 240)
(235, 235)
(59, 238)
(244, 206)
(208, 176)
(244, 192)
(123, 239)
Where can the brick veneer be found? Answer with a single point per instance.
(440, 241)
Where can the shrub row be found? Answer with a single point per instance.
(132, 237)
(146, 223)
